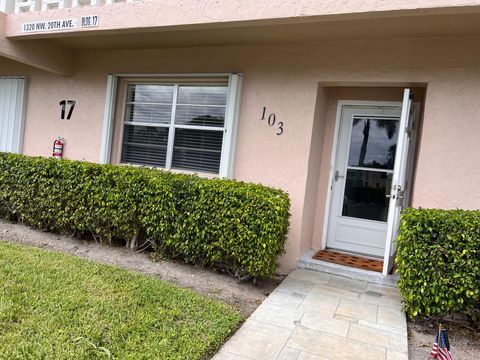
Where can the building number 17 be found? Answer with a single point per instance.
(63, 105)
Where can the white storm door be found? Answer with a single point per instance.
(399, 181)
(363, 175)
(12, 109)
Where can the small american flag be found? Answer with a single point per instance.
(441, 347)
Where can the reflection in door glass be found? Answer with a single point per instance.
(365, 194)
(373, 142)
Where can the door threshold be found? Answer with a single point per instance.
(348, 259)
(308, 262)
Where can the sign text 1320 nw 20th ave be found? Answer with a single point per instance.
(64, 24)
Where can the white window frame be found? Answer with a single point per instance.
(232, 112)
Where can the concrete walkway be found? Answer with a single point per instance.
(317, 316)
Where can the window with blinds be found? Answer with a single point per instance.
(175, 126)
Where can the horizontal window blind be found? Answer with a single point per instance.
(200, 115)
(145, 145)
(179, 126)
(149, 93)
(12, 98)
(197, 150)
(149, 104)
(149, 113)
(202, 95)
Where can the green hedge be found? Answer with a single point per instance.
(438, 259)
(217, 223)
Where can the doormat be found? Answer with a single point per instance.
(349, 260)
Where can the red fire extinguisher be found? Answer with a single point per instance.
(58, 148)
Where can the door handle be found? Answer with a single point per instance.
(396, 193)
(338, 176)
(401, 194)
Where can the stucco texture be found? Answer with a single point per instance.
(147, 14)
(291, 81)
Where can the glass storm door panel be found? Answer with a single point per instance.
(403, 169)
(363, 174)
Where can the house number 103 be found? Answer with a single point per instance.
(272, 120)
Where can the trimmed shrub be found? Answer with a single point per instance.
(226, 224)
(438, 259)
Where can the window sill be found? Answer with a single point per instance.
(176, 171)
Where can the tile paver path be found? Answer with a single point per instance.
(317, 316)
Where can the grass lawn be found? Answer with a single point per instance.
(56, 306)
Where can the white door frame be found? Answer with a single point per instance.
(328, 200)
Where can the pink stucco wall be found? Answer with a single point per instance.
(41, 53)
(286, 79)
(147, 14)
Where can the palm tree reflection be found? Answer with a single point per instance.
(390, 128)
(365, 190)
